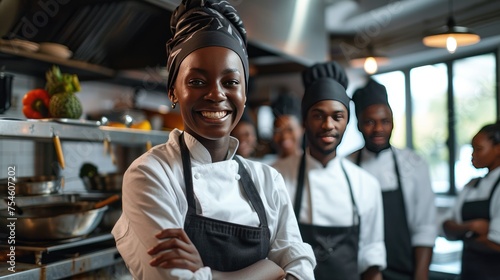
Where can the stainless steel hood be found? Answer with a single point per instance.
(280, 31)
(284, 35)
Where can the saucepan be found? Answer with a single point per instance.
(35, 185)
(5, 91)
(56, 221)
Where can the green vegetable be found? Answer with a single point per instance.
(58, 82)
(65, 105)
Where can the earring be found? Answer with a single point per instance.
(173, 105)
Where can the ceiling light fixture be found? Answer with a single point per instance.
(451, 36)
(369, 62)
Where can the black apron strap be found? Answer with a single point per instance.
(494, 188)
(300, 186)
(188, 177)
(251, 192)
(355, 212)
(300, 190)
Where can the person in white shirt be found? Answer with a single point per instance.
(338, 205)
(475, 217)
(192, 209)
(409, 210)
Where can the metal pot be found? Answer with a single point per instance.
(104, 182)
(5, 91)
(35, 185)
(54, 221)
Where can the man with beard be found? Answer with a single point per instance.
(337, 204)
(409, 211)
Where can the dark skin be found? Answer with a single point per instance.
(245, 133)
(210, 90)
(325, 124)
(376, 124)
(287, 135)
(485, 154)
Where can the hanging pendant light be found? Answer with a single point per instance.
(451, 36)
(369, 62)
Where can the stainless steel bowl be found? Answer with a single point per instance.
(34, 185)
(54, 221)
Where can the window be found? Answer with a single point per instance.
(474, 104)
(430, 116)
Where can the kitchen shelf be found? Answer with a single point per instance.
(37, 129)
(36, 64)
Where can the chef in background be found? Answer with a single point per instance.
(409, 211)
(337, 204)
(475, 218)
(287, 127)
(246, 134)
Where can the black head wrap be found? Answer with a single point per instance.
(373, 93)
(324, 81)
(197, 24)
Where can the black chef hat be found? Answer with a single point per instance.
(373, 93)
(324, 81)
(197, 24)
(246, 118)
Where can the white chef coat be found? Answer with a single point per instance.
(481, 192)
(154, 199)
(416, 186)
(331, 202)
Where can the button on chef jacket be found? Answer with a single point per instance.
(154, 199)
(416, 187)
(327, 190)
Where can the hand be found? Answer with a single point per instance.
(175, 252)
(479, 226)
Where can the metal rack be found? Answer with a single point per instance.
(79, 131)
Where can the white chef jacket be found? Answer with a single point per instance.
(481, 192)
(331, 202)
(154, 199)
(416, 186)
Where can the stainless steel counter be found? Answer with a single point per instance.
(57, 261)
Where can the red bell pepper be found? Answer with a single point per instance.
(36, 104)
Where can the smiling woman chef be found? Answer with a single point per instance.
(190, 206)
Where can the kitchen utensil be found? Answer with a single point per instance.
(111, 182)
(5, 91)
(59, 152)
(55, 221)
(35, 185)
(107, 201)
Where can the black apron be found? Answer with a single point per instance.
(225, 246)
(479, 264)
(397, 238)
(335, 248)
